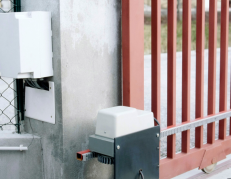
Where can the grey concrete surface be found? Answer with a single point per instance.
(87, 76)
(179, 93)
(51, 135)
(21, 165)
(91, 77)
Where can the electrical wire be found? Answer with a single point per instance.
(32, 134)
(156, 121)
(141, 174)
(35, 84)
(30, 84)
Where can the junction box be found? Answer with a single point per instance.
(26, 45)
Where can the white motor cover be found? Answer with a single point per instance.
(121, 120)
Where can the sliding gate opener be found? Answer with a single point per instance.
(127, 138)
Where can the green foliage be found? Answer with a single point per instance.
(164, 28)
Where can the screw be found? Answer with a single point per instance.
(157, 135)
(157, 148)
(51, 116)
(118, 147)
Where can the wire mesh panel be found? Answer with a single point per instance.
(6, 6)
(8, 107)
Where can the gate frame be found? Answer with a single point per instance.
(133, 78)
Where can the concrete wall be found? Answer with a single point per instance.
(87, 76)
(91, 76)
(17, 164)
(51, 135)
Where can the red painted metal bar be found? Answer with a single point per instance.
(212, 68)
(224, 64)
(133, 53)
(171, 88)
(156, 51)
(186, 72)
(200, 40)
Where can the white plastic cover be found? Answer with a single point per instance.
(26, 45)
(121, 120)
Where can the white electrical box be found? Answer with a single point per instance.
(40, 104)
(26, 45)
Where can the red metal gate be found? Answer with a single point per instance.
(202, 155)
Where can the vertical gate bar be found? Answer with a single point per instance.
(186, 72)
(212, 68)
(224, 64)
(133, 53)
(200, 41)
(171, 88)
(156, 50)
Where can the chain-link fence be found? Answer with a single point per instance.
(8, 96)
(8, 104)
(6, 6)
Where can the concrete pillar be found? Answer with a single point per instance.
(91, 76)
(87, 77)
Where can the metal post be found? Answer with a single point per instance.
(224, 65)
(156, 51)
(171, 88)
(17, 5)
(212, 68)
(186, 72)
(133, 53)
(19, 82)
(200, 41)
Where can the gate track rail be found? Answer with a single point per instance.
(193, 124)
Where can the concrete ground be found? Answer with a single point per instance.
(222, 171)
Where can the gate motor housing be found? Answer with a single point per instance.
(127, 138)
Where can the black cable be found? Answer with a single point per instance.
(141, 174)
(156, 121)
(32, 134)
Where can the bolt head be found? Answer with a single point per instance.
(118, 147)
(157, 135)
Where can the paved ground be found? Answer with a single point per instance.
(179, 92)
(222, 171)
